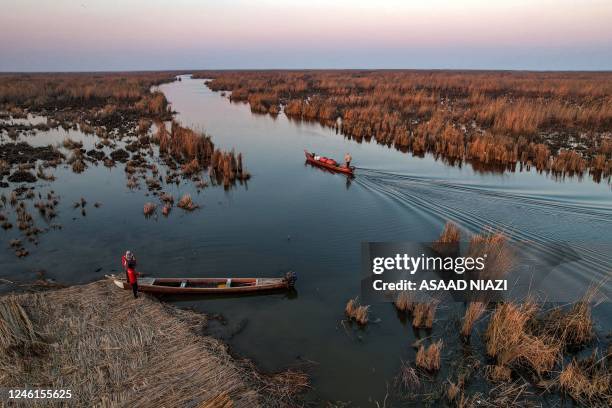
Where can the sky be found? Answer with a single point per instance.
(85, 35)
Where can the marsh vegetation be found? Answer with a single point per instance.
(291, 205)
(131, 122)
(554, 122)
(529, 348)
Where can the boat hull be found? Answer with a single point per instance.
(163, 285)
(339, 169)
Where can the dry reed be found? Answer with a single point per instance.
(454, 390)
(510, 342)
(222, 400)
(429, 358)
(423, 314)
(404, 302)
(588, 382)
(186, 203)
(506, 394)
(408, 378)
(149, 209)
(473, 312)
(494, 246)
(573, 327)
(18, 337)
(496, 118)
(498, 373)
(136, 353)
(450, 234)
(357, 312)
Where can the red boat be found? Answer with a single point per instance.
(327, 163)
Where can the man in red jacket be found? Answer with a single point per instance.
(129, 264)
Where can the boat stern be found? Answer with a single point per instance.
(290, 279)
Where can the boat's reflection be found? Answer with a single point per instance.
(349, 177)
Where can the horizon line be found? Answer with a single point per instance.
(187, 70)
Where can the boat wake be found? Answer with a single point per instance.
(550, 225)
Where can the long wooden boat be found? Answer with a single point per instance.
(207, 285)
(310, 158)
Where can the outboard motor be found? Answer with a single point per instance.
(290, 278)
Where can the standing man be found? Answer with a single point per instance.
(129, 264)
(347, 160)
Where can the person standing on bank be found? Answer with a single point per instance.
(129, 264)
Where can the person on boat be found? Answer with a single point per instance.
(347, 160)
(128, 260)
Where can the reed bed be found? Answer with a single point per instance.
(507, 394)
(167, 198)
(149, 209)
(18, 336)
(424, 313)
(184, 144)
(95, 103)
(136, 353)
(498, 373)
(510, 341)
(77, 160)
(450, 234)
(50, 90)
(70, 144)
(357, 312)
(143, 126)
(408, 378)
(404, 302)
(195, 152)
(186, 203)
(588, 381)
(486, 118)
(222, 400)
(573, 327)
(473, 313)
(41, 174)
(494, 245)
(454, 392)
(428, 358)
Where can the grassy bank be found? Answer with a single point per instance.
(112, 350)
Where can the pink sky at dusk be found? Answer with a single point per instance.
(116, 35)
